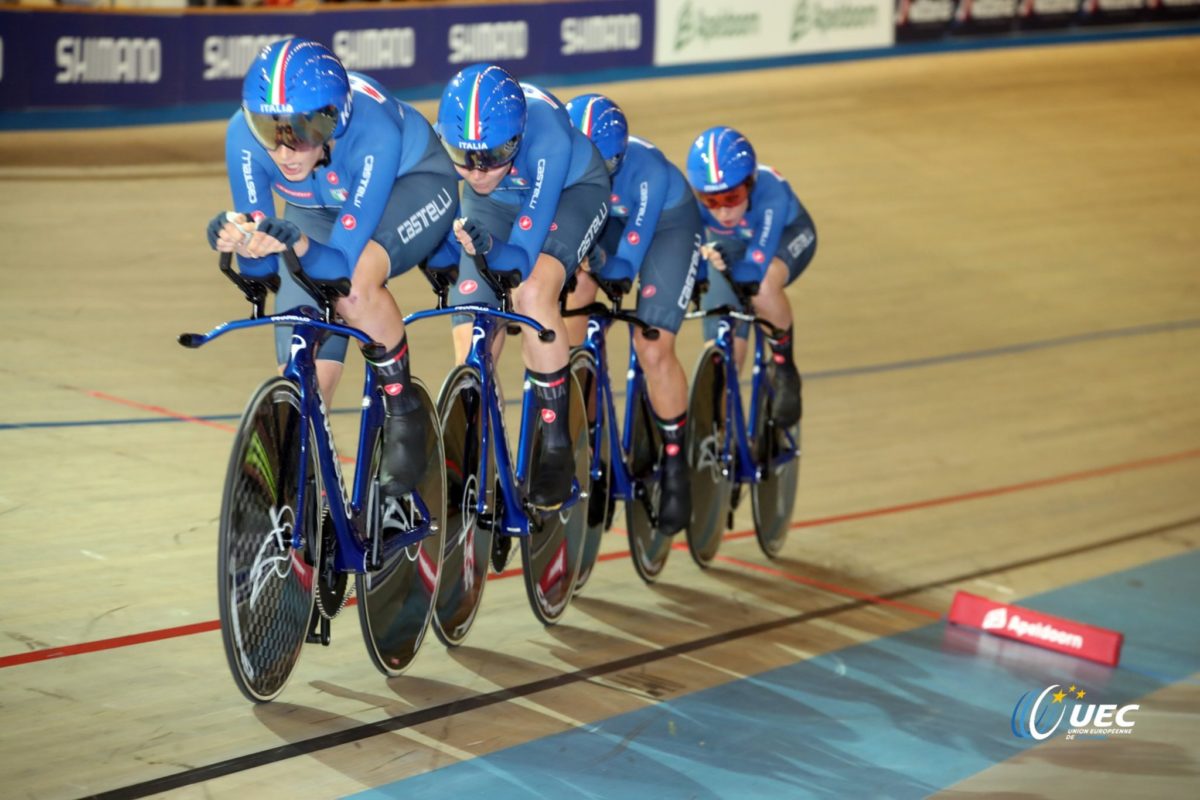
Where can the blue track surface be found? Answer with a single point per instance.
(902, 716)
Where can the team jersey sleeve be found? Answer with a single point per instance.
(375, 161)
(249, 179)
(643, 219)
(550, 164)
(772, 201)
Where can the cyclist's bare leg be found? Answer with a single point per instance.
(666, 384)
(370, 306)
(771, 303)
(537, 297)
(665, 378)
(548, 373)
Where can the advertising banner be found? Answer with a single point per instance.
(695, 31)
(144, 60)
(923, 19)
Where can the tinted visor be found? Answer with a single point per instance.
(296, 131)
(483, 159)
(727, 199)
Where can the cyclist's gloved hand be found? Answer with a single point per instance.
(719, 255)
(282, 231)
(214, 229)
(616, 269)
(746, 276)
(469, 230)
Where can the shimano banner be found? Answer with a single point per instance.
(63, 59)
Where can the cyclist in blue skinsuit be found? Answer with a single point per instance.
(654, 232)
(369, 193)
(534, 200)
(760, 239)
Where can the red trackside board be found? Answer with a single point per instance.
(1033, 627)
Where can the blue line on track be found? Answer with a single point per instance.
(867, 369)
(900, 717)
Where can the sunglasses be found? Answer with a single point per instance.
(727, 199)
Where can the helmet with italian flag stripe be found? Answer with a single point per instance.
(296, 93)
(602, 121)
(481, 118)
(721, 158)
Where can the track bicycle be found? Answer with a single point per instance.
(487, 497)
(291, 535)
(727, 451)
(625, 463)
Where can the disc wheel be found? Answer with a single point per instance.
(265, 587)
(773, 497)
(599, 502)
(710, 462)
(395, 602)
(467, 546)
(648, 547)
(551, 553)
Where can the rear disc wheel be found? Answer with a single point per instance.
(552, 551)
(467, 547)
(648, 548)
(395, 602)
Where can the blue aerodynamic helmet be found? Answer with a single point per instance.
(296, 93)
(720, 159)
(602, 121)
(482, 117)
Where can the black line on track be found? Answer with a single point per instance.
(329, 740)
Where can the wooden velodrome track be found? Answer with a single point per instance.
(1002, 336)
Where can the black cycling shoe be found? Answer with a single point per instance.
(403, 452)
(550, 482)
(786, 405)
(675, 498)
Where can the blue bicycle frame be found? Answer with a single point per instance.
(745, 470)
(620, 480)
(487, 322)
(349, 515)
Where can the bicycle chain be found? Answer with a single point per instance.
(338, 596)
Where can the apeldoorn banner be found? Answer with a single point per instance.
(56, 59)
(696, 31)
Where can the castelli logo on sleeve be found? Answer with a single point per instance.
(525, 223)
(633, 238)
(468, 287)
(758, 256)
(614, 198)
(332, 177)
(553, 226)
(258, 216)
(548, 416)
(394, 388)
(649, 291)
(349, 222)
(672, 449)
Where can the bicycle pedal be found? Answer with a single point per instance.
(319, 630)
(501, 551)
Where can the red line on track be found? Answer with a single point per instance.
(212, 625)
(166, 412)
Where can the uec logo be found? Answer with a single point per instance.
(1030, 719)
